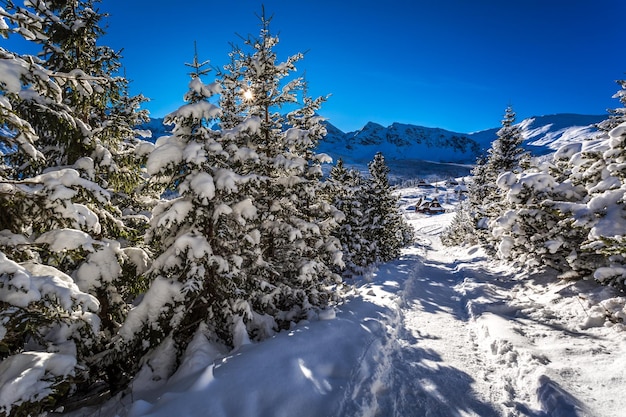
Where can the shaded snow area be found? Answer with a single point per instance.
(439, 332)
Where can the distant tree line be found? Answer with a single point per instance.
(99, 272)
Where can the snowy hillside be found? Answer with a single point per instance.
(417, 151)
(438, 332)
(545, 134)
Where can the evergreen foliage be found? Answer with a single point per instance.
(387, 232)
(505, 155)
(603, 216)
(345, 188)
(565, 212)
(461, 230)
(616, 116)
(486, 200)
(67, 125)
(251, 238)
(294, 220)
(373, 229)
(245, 248)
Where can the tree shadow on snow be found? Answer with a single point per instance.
(415, 382)
(425, 386)
(555, 401)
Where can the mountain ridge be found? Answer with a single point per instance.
(413, 150)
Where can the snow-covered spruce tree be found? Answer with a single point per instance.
(468, 225)
(596, 168)
(306, 129)
(345, 190)
(48, 326)
(485, 200)
(478, 191)
(59, 195)
(387, 232)
(603, 215)
(199, 237)
(101, 141)
(616, 116)
(505, 155)
(294, 222)
(534, 230)
(97, 140)
(461, 230)
(567, 212)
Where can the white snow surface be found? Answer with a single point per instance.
(439, 332)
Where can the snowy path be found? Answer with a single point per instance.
(429, 357)
(428, 362)
(468, 339)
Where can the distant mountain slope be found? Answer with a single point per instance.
(400, 141)
(552, 132)
(545, 134)
(413, 151)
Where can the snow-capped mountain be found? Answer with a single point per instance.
(400, 141)
(417, 151)
(409, 142)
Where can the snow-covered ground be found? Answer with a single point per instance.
(439, 332)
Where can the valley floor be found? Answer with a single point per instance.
(439, 332)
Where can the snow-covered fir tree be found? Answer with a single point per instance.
(506, 152)
(461, 231)
(48, 325)
(245, 246)
(294, 221)
(616, 116)
(306, 129)
(595, 171)
(68, 34)
(387, 232)
(198, 237)
(504, 155)
(533, 231)
(567, 212)
(345, 188)
(486, 200)
(474, 208)
(602, 214)
(63, 240)
(97, 140)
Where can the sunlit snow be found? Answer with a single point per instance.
(439, 332)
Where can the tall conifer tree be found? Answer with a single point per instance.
(294, 222)
(200, 236)
(57, 117)
(345, 188)
(387, 232)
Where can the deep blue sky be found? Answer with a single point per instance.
(454, 64)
